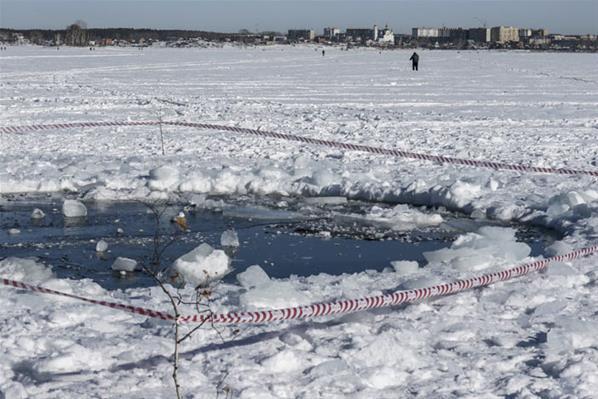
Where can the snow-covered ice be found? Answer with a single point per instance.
(530, 337)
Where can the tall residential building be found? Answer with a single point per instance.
(504, 34)
(301, 34)
(424, 32)
(479, 35)
(362, 34)
(525, 33)
(331, 33)
(540, 32)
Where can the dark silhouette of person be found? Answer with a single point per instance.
(414, 61)
(323, 53)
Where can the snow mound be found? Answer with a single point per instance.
(283, 362)
(73, 209)
(405, 267)
(199, 266)
(490, 246)
(270, 294)
(73, 359)
(163, 178)
(25, 270)
(571, 334)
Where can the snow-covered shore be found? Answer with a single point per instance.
(532, 337)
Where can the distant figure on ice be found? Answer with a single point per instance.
(323, 53)
(414, 61)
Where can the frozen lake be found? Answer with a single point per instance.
(529, 337)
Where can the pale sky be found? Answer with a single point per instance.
(260, 15)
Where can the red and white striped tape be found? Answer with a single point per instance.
(329, 143)
(330, 308)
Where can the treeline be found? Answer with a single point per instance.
(128, 34)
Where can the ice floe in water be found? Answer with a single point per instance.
(73, 209)
(122, 264)
(229, 238)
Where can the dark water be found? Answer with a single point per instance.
(305, 241)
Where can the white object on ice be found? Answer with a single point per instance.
(400, 217)
(25, 270)
(558, 248)
(101, 246)
(262, 292)
(74, 209)
(252, 277)
(405, 267)
(200, 265)
(14, 231)
(490, 246)
(37, 214)
(229, 238)
(124, 264)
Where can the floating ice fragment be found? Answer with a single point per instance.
(229, 238)
(101, 246)
(74, 209)
(261, 213)
(37, 214)
(14, 231)
(124, 264)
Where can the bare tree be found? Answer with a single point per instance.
(200, 299)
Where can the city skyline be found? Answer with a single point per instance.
(567, 17)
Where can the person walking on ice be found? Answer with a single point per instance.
(414, 61)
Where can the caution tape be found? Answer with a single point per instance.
(308, 140)
(329, 308)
